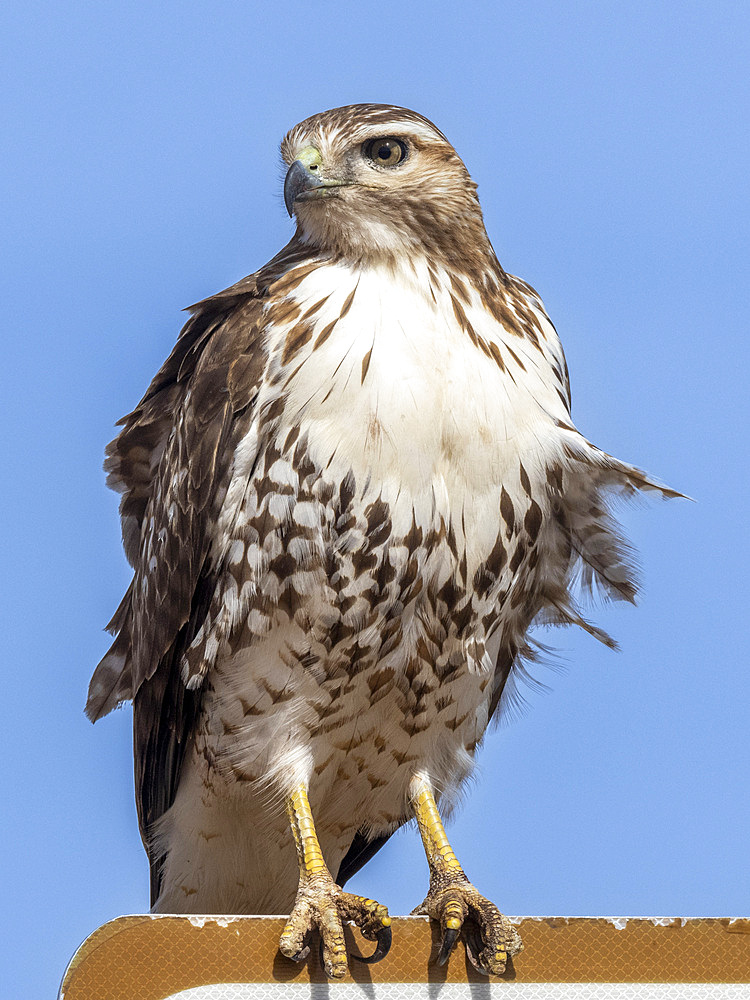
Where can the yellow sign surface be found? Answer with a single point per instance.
(237, 958)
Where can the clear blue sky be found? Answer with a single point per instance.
(140, 173)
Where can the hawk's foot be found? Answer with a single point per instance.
(323, 906)
(490, 938)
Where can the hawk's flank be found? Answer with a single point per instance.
(348, 494)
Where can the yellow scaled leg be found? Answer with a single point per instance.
(453, 901)
(322, 905)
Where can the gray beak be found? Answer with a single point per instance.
(299, 179)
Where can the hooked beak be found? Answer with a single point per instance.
(303, 179)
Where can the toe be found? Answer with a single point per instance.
(334, 946)
(371, 917)
(294, 941)
(451, 915)
(490, 937)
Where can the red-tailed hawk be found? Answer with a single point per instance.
(347, 495)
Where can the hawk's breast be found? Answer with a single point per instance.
(381, 539)
(397, 393)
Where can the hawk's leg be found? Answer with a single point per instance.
(453, 901)
(322, 905)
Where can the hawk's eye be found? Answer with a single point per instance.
(385, 152)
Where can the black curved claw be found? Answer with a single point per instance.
(384, 939)
(450, 936)
(304, 950)
(473, 942)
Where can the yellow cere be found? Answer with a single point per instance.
(309, 156)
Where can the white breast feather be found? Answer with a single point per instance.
(436, 427)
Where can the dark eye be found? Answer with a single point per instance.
(385, 152)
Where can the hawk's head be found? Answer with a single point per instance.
(373, 180)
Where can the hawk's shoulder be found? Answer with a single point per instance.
(170, 462)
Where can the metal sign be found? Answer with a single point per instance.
(237, 958)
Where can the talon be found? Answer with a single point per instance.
(384, 939)
(321, 957)
(450, 936)
(304, 951)
(490, 938)
(473, 942)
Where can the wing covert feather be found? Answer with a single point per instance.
(172, 461)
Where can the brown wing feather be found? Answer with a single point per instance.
(172, 462)
(172, 455)
(168, 461)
